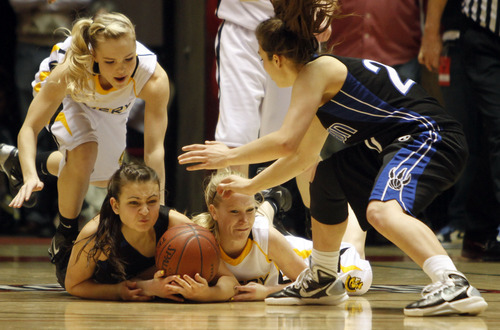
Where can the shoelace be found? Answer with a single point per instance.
(303, 278)
(436, 287)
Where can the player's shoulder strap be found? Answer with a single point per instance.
(161, 224)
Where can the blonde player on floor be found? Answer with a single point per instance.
(257, 253)
(97, 73)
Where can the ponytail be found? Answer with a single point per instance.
(292, 31)
(80, 61)
(86, 35)
(305, 18)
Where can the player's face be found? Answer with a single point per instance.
(117, 61)
(235, 217)
(138, 205)
(273, 69)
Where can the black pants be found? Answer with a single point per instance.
(480, 51)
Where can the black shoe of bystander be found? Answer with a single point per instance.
(488, 250)
(9, 164)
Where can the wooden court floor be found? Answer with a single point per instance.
(30, 299)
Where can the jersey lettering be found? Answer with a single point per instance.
(118, 110)
(341, 131)
(375, 67)
(260, 280)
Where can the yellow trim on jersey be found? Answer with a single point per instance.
(55, 48)
(133, 81)
(62, 118)
(304, 254)
(98, 86)
(267, 259)
(349, 268)
(43, 76)
(246, 251)
(37, 87)
(236, 261)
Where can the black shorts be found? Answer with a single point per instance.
(412, 170)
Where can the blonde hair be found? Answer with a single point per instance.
(205, 219)
(87, 33)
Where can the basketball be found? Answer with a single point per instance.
(188, 249)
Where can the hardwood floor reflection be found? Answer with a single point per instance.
(30, 299)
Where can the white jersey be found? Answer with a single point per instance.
(254, 264)
(112, 101)
(102, 118)
(246, 13)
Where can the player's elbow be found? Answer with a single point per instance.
(70, 288)
(288, 147)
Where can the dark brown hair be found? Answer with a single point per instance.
(292, 31)
(107, 236)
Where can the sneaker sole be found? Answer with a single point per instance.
(290, 301)
(468, 306)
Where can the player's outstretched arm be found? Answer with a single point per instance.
(284, 168)
(282, 253)
(41, 109)
(156, 94)
(79, 281)
(255, 291)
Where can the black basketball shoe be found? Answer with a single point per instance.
(452, 295)
(280, 196)
(314, 286)
(59, 252)
(281, 200)
(9, 164)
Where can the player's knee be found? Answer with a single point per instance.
(376, 214)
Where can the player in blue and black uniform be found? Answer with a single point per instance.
(114, 255)
(402, 150)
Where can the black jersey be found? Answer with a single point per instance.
(135, 262)
(376, 103)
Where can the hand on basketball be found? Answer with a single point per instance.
(161, 286)
(196, 288)
(250, 291)
(235, 184)
(25, 192)
(129, 291)
(209, 156)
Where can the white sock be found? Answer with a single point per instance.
(328, 260)
(436, 265)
